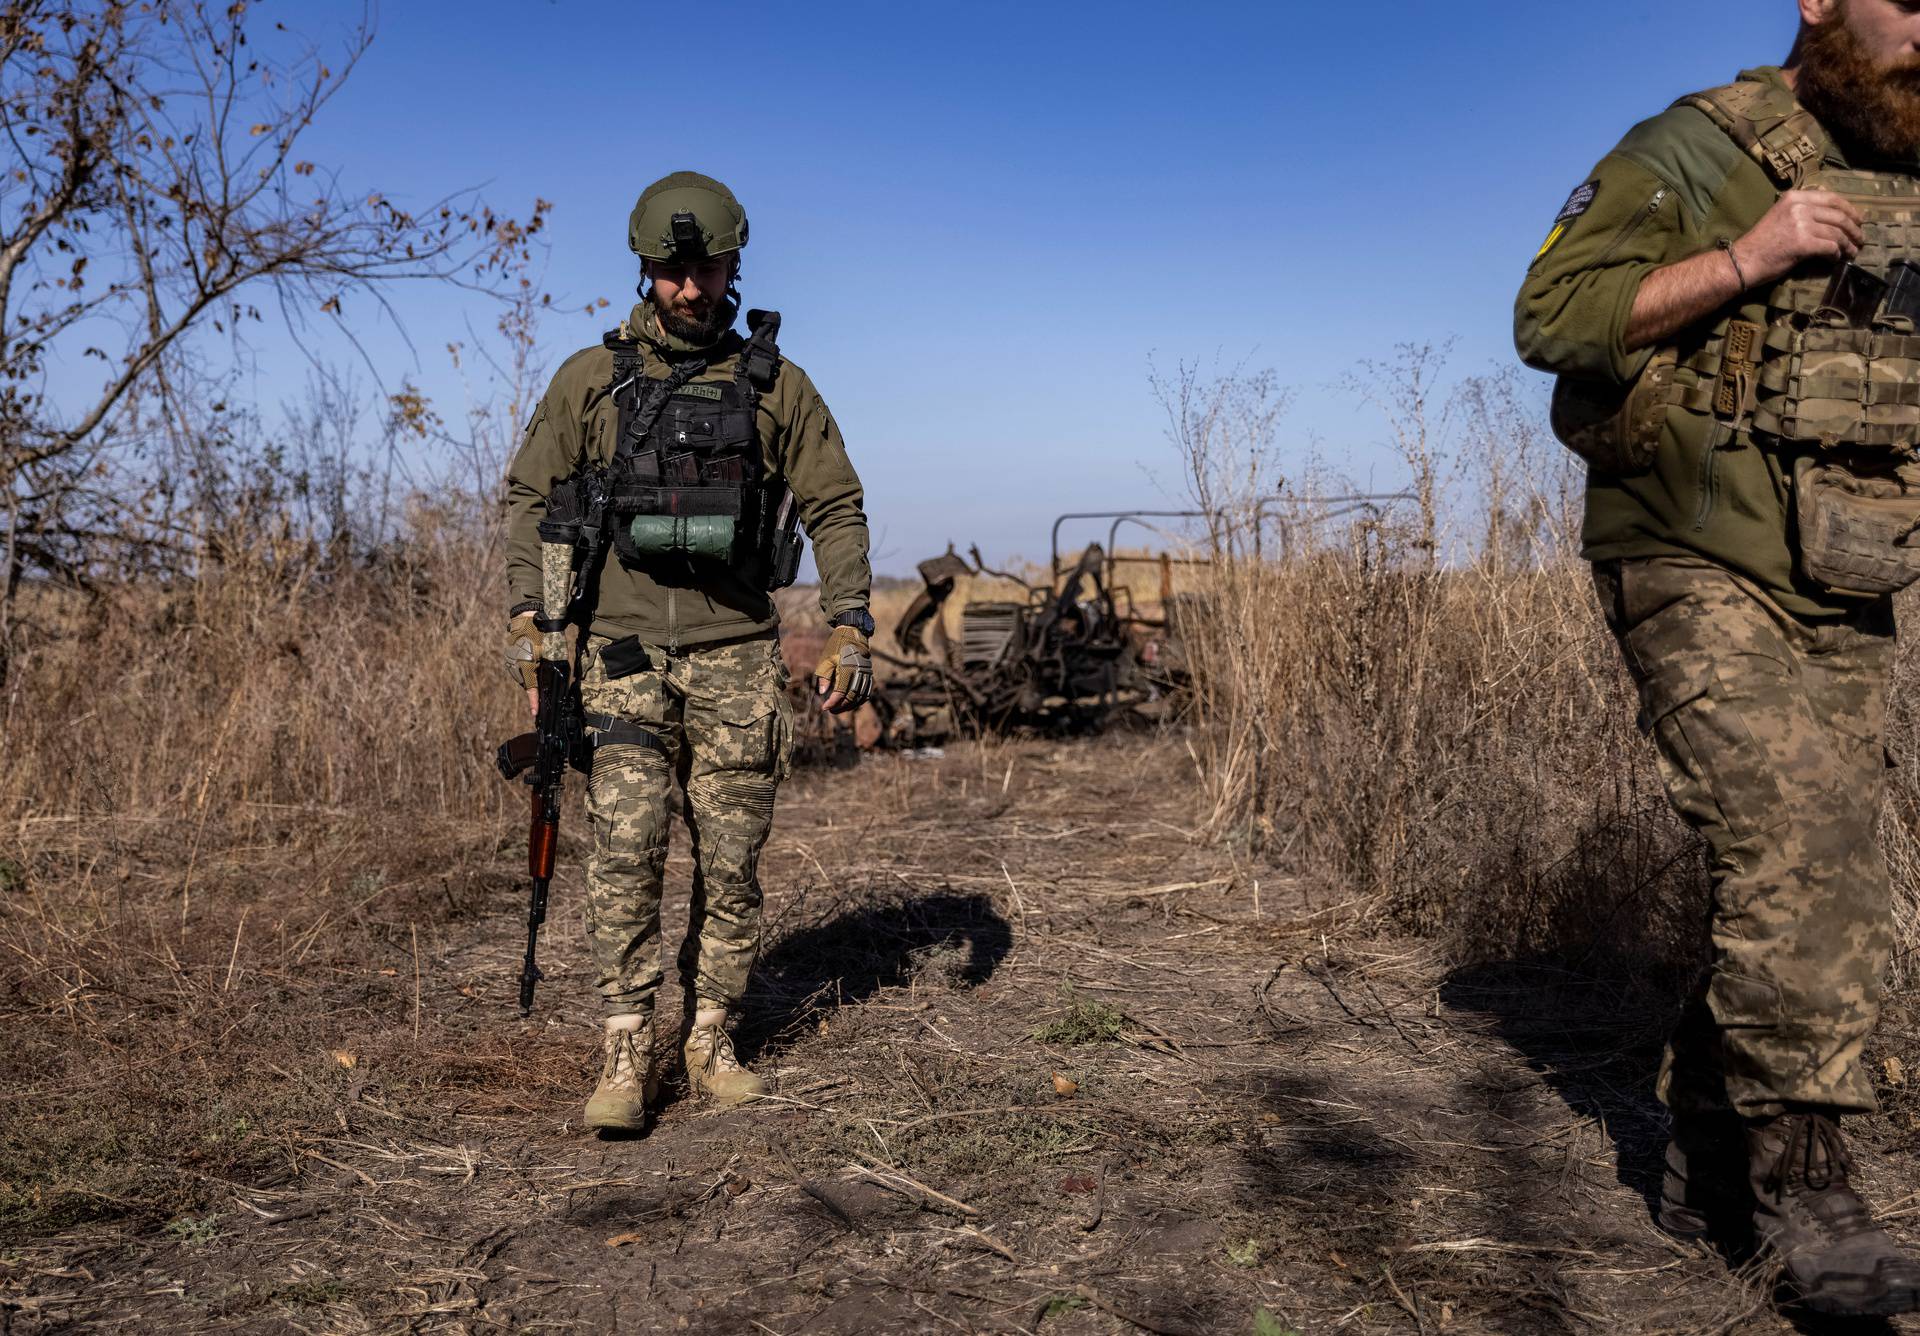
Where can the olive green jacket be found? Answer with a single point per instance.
(799, 441)
(1674, 187)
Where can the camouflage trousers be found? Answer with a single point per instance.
(720, 715)
(1769, 730)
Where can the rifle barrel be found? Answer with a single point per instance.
(529, 971)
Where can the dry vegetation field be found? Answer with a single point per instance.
(1332, 1006)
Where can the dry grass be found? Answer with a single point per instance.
(1421, 709)
(1346, 1133)
(259, 898)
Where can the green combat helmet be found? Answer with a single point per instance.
(686, 216)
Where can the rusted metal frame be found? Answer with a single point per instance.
(1347, 503)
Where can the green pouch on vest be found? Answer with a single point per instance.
(1859, 526)
(705, 537)
(1616, 428)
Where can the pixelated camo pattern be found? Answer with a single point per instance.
(1769, 731)
(721, 712)
(556, 578)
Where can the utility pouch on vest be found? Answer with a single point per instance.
(1859, 525)
(783, 559)
(1831, 384)
(695, 537)
(1616, 428)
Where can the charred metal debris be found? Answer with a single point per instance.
(1074, 655)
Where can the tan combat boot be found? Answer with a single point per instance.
(712, 1069)
(627, 1082)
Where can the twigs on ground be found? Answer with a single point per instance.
(1099, 1201)
(816, 1190)
(895, 1181)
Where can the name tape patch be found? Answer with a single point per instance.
(1578, 203)
(700, 391)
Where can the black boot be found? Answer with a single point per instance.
(1833, 1257)
(1704, 1192)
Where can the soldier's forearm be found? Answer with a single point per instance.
(846, 579)
(1677, 296)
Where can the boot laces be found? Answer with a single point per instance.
(625, 1045)
(719, 1049)
(1814, 1156)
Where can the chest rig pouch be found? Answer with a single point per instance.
(689, 492)
(1836, 378)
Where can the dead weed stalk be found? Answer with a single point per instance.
(1418, 702)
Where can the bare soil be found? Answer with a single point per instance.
(1043, 1063)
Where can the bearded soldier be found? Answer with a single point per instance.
(1730, 303)
(707, 447)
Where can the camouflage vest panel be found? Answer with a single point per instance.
(1814, 378)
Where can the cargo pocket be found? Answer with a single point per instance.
(748, 732)
(636, 694)
(1717, 774)
(1739, 1002)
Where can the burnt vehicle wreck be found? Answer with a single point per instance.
(1071, 656)
(1101, 639)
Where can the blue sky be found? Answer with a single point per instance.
(983, 220)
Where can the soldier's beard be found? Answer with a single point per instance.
(1861, 102)
(703, 328)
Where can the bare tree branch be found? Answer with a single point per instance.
(152, 183)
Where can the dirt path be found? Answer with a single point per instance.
(1043, 1064)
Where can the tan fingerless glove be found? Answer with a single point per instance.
(846, 666)
(523, 651)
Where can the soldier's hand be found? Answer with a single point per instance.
(844, 675)
(1802, 225)
(523, 653)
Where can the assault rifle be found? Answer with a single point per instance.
(572, 540)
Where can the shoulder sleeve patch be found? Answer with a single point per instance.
(1577, 203)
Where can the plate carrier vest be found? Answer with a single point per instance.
(1839, 389)
(687, 486)
(1807, 376)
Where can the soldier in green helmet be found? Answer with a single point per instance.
(711, 447)
(1731, 301)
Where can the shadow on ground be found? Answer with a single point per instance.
(1595, 1038)
(882, 941)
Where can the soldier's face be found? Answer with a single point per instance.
(690, 291)
(1887, 32)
